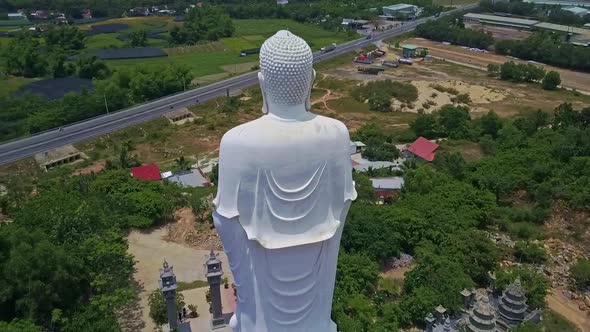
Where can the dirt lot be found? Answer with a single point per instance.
(569, 78)
(501, 33)
(150, 249)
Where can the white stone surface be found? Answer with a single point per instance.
(285, 186)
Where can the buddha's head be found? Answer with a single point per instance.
(286, 71)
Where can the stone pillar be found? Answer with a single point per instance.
(168, 287)
(466, 295)
(440, 314)
(214, 273)
(429, 322)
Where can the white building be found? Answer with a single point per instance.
(402, 8)
(282, 2)
(579, 11)
(16, 16)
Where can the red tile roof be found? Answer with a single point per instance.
(146, 172)
(423, 148)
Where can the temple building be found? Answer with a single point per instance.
(485, 312)
(512, 306)
(482, 317)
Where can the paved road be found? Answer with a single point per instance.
(29, 146)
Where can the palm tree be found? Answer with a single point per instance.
(183, 164)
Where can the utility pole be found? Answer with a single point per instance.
(106, 105)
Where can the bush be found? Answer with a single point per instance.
(551, 81)
(581, 273)
(441, 88)
(529, 252)
(380, 102)
(462, 98)
(404, 92)
(193, 311)
(157, 304)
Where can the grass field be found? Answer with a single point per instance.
(315, 35)
(453, 3)
(218, 57)
(11, 84)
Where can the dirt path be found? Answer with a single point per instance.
(557, 302)
(570, 78)
(329, 95)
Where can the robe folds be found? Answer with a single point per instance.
(287, 182)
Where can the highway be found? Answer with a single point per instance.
(73, 133)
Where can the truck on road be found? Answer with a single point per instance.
(328, 48)
(371, 70)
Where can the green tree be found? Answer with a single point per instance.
(364, 187)
(490, 124)
(380, 102)
(91, 67)
(452, 163)
(454, 120)
(58, 65)
(356, 273)
(23, 56)
(157, 304)
(182, 163)
(581, 273)
(529, 252)
(425, 126)
(66, 37)
(203, 23)
(551, 81)
(138, 38)
(19, 326)
(53, 278)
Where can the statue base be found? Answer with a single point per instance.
(217, 323)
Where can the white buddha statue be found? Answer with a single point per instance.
(285, 186)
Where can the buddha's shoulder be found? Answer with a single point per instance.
(265, 128)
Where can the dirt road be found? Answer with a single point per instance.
(557, 302)
(569, 78)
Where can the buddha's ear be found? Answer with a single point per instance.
(308, 99)
(263, 90)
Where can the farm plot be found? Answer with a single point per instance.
(55, 88)
(128, 53)
(258, 30)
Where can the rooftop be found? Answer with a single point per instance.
(560, 3)
(410, 47)
(501, 19)
(399, 6)
(423, 148)
(146, 172)
(391, 183)
(189, 179)
(562, 28)
(577, 10)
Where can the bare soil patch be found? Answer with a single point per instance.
(569, 78)
(569, 224)
(94, 168)
(397, 273)
(501, 33)
(186, 230)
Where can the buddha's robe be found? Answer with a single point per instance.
(285, 187)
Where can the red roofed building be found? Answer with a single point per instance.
(146, 172)
(423, 148)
